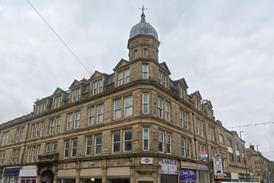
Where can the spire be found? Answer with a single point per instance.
(143, 16)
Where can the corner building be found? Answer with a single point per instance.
(136, 125)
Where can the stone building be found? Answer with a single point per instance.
(134, 125)
(259, 166)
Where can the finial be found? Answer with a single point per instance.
(143, 12)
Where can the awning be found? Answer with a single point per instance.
(28, 171)
(11, 172)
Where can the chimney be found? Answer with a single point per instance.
(252, 147)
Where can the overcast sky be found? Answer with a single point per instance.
(223, 48)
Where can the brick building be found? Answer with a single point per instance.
(134, 125)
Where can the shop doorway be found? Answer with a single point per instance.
(119, 180)
(169, 179)
(47, 176)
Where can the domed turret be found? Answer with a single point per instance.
(143, 41)
(143, 28)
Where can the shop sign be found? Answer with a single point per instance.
(187, 175)
(28, 171)
(11, 172)
(146, 161)
(218, 167)
(168, 167)
(234, 176)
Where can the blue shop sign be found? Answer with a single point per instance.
(187, 175)
(11, 172)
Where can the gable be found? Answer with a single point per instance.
(197, 93)
(120, 64)
(96, 74)
(57, 91)
(183, 83)
(75, 83)
(165, 67)
(208, 103)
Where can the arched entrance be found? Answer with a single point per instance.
(47, 176)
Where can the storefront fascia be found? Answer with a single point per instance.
(203, 173)
(188, 167)
(10, 174)
(28, 174)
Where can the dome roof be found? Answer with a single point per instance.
(143, 28)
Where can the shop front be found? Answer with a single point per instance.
(203, 173)
(67, 176)
(91, 180)
(168, 171)
(119, 180)
(28, 174)
(188, 176)
(10, 175)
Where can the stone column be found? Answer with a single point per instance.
(104, 171)
(78, 164)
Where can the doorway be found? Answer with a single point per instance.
(47, 176)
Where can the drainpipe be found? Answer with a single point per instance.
(194, 135)
(195, 140)
(25, 145)
(208, 162)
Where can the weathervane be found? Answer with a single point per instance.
(143, 9)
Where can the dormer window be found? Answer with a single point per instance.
(57, 101)
(97, 87)
(75, 95)
(163, 79)
(182, 93)
(145, 71)
(197, 104)
(123, 77)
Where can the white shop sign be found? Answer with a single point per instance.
(168, 167)
(146, 161)
(238, 182)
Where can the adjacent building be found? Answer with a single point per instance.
(260, 167)
(134, 125)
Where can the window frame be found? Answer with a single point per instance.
(98, 145)
(116, 142)
(145, 103)
(117, 109)
(88, 146)
(128, 106)
(127, 140)
(145, 71)
(161, 141)
(169, 143)
(146, 138)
